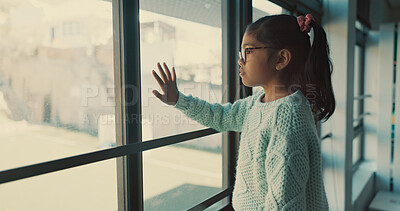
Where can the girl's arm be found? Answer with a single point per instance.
(220, 117)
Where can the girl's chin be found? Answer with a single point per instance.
(246, 83)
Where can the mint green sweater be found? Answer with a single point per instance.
(279, 165)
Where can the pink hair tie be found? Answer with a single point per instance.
(304, 22)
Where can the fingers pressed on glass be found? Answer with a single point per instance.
(157, 94)
(168, 72)
(158, 79)
(173, 74)
(164, 77)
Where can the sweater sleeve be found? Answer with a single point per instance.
(219, 117)
(287, 164)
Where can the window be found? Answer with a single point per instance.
(190, 42)
(359, 96)
(59, 58)
(358, 76)
(61, 100)
(177, 177)
(89, 187)
(357, 148)
(263, 8)
(187, 37)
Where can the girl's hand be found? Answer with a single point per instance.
(167, 84)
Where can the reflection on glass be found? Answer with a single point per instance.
(56, 79)
(189, 41)
(181, 176)
(89, 187)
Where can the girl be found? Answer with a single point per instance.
(279, 163)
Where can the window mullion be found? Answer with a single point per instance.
(130, 168)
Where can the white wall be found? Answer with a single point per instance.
(385, 101)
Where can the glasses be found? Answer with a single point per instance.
(243, 53)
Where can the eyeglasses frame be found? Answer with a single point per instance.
(245, 52)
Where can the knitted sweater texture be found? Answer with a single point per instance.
(279, 165)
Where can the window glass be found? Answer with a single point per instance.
(262, 8)
(88, 187)
(180, 176)
(56, 79)
(357, 148)
(186, 35)
(357, 79)
(359, 25)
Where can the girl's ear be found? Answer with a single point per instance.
(283, 59)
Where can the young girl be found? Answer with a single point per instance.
(279, 164)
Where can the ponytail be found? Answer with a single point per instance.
(318, 71)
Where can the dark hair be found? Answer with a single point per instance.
(310, 67)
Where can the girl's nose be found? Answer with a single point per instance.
(240, 62)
